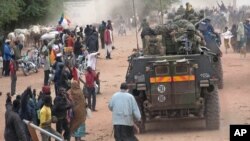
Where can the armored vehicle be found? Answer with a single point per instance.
(213, 42)
(180, 86)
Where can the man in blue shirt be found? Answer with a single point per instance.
(124, 109)
(6, 57)
(247, 33)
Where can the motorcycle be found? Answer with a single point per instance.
(122, 30)
(27, 65)
(36, 58)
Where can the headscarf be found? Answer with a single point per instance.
(79, 106)
(240, 31)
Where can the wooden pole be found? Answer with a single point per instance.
(234, 4)
(161, 12)
(136, 32)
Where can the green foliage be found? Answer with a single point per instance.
(55, 10)
(8, 11)
(21, 13)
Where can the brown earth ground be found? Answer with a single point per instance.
(234, 99)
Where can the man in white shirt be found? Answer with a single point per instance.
(92, 60)
(227, 35)
(124, 110)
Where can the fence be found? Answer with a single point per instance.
(33, 134)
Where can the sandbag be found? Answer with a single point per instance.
(49, 36)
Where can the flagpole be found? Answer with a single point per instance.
(136, 32)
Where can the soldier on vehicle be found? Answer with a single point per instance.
(146, 30)
(207, 29)
(144, 24)
(180, 10)
(189, 11)
(189, 42)
(169, 38)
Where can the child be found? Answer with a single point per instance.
(13, 75)
(227, 35)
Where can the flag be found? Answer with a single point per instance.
(67, 20)
(61, 19)
(64, 20)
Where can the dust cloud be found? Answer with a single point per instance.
(93, 11)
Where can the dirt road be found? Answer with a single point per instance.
(234, 99)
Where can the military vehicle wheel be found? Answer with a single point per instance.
(219, 70)
(212, 110)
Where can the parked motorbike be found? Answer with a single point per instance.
(122, 30)
(36, 58)
(27, 65)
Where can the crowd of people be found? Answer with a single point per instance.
(68, 109)
(238, 37)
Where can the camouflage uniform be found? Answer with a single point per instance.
(153, 45)
(168, 36)
(189, 42)
(180, 10)
(189, 11)
(144, 27)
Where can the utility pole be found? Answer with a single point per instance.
(234, 4)
(161, 12)
(136, 32)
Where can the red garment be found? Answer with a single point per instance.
(70, 41)
(107, 37)
(46, 90)
(75, 74)
(90, 79)
(12, 67)
(59, 28)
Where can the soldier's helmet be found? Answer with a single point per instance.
(190, 27)
(171, 16)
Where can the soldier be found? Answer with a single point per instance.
(190, 42)
(170, 39)
(189, 11)
(180, 10)
(144, 24)
(144, 27)
(146, 30)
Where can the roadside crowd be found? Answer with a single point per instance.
(71, 105)
(238, 37)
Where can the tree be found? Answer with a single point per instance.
(9, 12)
(22, 13)
(38, 11)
